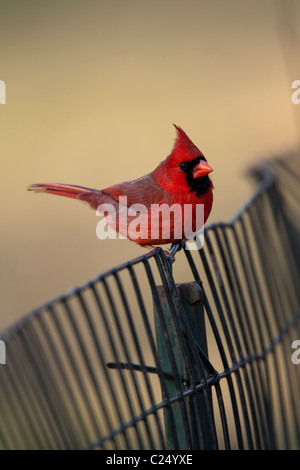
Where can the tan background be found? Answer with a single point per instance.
(93, 88)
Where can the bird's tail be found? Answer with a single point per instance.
(66, 190)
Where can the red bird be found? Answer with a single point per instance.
(144, 209)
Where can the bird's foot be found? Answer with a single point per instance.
(176, 246)
(170, 254)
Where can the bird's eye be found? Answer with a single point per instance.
(183, 166)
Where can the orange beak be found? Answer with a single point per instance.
(202, 169)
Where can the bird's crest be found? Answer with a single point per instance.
(184, 148)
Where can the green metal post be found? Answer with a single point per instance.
(191, 296)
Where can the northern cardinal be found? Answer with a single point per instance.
(180, 180)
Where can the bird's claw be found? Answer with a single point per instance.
(176, 246)
(170, 256)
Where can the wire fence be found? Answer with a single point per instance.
(136, 360)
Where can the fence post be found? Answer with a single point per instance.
(191, 296)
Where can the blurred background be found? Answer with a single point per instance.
(92, 90)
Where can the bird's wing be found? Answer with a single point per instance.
(141, 191)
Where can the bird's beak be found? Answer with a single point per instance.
(202, 169)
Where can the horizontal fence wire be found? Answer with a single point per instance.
(136, 360)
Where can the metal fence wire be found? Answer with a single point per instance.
(136, 360)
